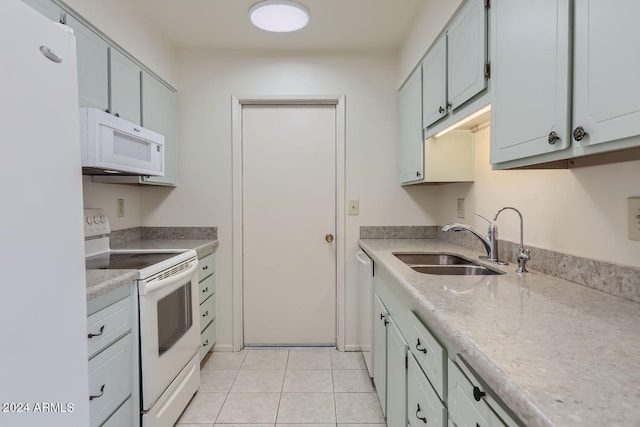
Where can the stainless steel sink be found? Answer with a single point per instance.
(432, 259)
(456, 270)
(444, 264)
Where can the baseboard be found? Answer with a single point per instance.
(352, 347)
(222, 347)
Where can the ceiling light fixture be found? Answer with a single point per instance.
(279, 16)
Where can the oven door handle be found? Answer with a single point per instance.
(155, 285)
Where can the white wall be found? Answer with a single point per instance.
(105, 197)
(208, 81)
(579, 211)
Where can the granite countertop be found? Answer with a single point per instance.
(557, 353)
(100, 282)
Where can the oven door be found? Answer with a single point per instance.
(169, 330)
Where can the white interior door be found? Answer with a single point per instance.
(289, 208)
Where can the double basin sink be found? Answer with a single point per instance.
(444, 264)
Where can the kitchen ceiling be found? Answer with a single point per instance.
(334, 24)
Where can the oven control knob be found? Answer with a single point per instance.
(103, 219)
(89, 220)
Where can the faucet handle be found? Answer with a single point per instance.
(523, 256)
(477, 214)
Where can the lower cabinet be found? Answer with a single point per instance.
(396, 376)
(418, 382)
(380, 316)
(423, 405)
(113, 373)
(207, 286)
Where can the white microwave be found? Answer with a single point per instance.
(111, 145)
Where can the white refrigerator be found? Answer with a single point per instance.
(43, 332)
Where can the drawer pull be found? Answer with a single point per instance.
(206, 343)
(424, 350)
(478, 394)
(97, 335)
(206, 267)
(205, 290)
(95, 396)
(423, 419)
(206, 313)
(384, 319)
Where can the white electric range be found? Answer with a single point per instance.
(169, 319)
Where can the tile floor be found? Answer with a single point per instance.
(297, 387)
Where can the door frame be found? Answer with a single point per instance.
(237, 103)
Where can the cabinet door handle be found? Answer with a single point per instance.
(579, 133)
(205, 290)
(449, 105)
(553, 137)
(441, 110)
(418, 344)
(418, 174)
(98, 334)
(478, 394)
(95, 396)
(423, 419)
(206, 313)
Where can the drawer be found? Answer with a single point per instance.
(107, 325)
(207, 287)
(123, 416)
(206, 266)
(424, 408)
(467, 403)
(207, 312)
(208, 339)
(110, 380)
(431, 356)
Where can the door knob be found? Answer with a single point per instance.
(329, 238)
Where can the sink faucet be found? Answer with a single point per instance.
(490, 242)
(524, 255)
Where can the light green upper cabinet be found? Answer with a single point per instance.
(530, 92)
(410, 119)
(160, 114)
(93, 66)
(606, 72)
(434, 83)
(453, 71)
(575, 109)
(124, 85)
(467, 53)
(107, 79)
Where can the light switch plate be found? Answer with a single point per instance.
(460, 208)
(633, 205)
(120, 208)
(354, 207)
